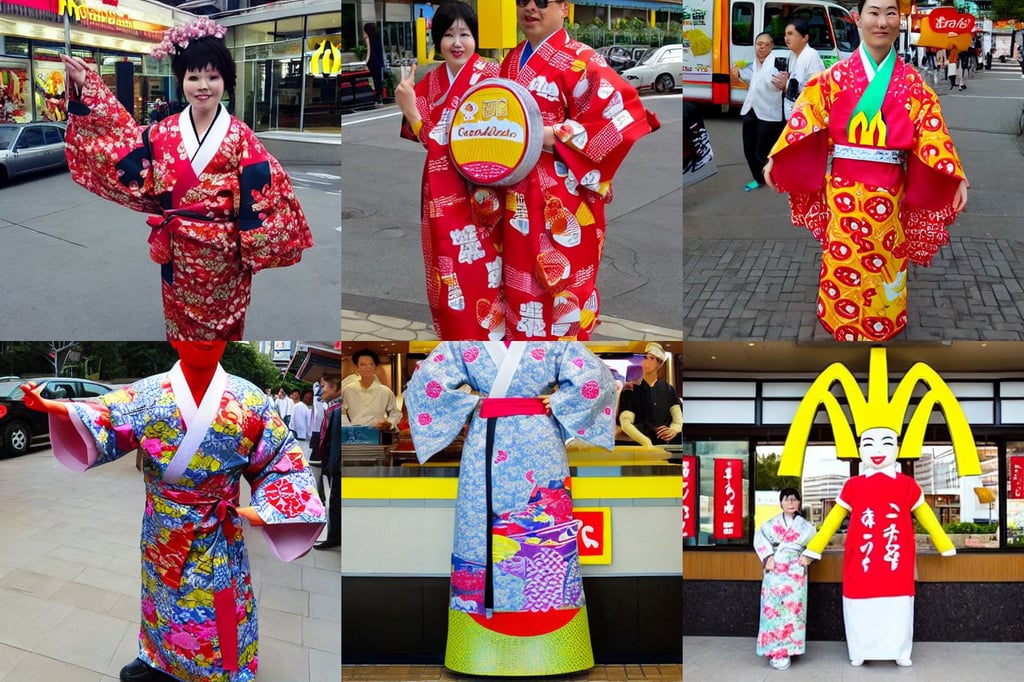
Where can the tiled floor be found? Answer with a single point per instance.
(69, 581)
(604, 673)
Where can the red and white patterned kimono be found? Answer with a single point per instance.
(878, 564)
(888, 199)
(224, 206)
(554, 218)
(461, 240)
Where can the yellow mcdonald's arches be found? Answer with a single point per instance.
(72, 8)
(876, 409)
(325, 60)
(862, 132)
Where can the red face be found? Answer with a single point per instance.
(200, 354)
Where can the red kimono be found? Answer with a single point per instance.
(554, 218)
(224, 208)
(461, 241)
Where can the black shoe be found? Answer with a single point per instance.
(139, 671)
(327, 544)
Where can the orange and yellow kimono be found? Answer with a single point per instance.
(889, 197)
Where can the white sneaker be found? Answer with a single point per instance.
(857, 662)
(781, 663)
(904, 662)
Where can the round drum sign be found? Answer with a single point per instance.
(496, 135)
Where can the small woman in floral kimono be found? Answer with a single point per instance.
(223, 207)
(779, 544)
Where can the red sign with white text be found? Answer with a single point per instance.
(1017, 477)
(594, 541)
(728, 500)
(690, 494)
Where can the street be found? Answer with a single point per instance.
(77, 263)
(382, 262)
(70, 580)
(749, 274)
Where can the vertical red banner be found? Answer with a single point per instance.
(728, 500)
(1017, 477)
(690, 494)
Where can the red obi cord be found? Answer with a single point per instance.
(511, 407)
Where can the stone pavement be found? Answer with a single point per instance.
(359, 326)
(69, 581)
(749, 274)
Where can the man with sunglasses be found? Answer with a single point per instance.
(555, 224)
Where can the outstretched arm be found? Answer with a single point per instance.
(35, 401)
(832, 522)
(926, 517)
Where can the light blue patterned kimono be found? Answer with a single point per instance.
(783, 628)
(535, 566)
(198, 606)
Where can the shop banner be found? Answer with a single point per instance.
(728, 500)
(595, 536)
(1017, 477)
(690, 493)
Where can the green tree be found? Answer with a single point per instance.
(766, 474)
(1008, 9)
(244, 360)
(25, 358)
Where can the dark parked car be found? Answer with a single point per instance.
(20, 427)
(30, 147)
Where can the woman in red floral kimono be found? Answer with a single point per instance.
(224, 208)
(461, 240)
(896, 181)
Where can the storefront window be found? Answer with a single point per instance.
(1015, 494)
(48, 82)
(15, 92)
(722, 478)
(13, 47)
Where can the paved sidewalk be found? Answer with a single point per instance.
(665, 672)
(732, 659)
(749, 274)
(69, 581)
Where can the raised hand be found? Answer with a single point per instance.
(35, 401)
(76, 69)
(405, 92)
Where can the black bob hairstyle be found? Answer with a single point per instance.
(786, 492)
(365, 353)
(446, 15)
(203, 52)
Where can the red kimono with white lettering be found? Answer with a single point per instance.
(880, 549)
(554, 218)
(223, 206)
(461, 240)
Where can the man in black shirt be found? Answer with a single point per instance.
(651, 413)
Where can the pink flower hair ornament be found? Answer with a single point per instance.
(177, 38)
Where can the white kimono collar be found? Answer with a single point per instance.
(507, 361)
(197, 419)
(201, 152)
(889, 471)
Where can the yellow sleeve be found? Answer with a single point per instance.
(832, 522)
(926, 517)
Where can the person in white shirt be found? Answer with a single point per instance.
(369, 402)
(762, 108)
(300, 423)
(804, 62)
(284, 405)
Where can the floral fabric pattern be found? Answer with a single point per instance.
(196, 587)
(783, 625)
(532, 531)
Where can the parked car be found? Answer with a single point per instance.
(622, 57)
(20, 427)
(660, 70)
(30, 147)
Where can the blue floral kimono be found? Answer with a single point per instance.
(515, 537)
(198, 607)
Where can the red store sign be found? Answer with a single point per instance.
(691, 492)
(728, 499)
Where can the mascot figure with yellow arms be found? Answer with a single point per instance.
(879, 555)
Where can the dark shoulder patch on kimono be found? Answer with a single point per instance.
(77, 108)
(132, 163)
(255, 177)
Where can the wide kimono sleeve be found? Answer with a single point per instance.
(765, 540)
(273, 228)
(97, 433)
(108, 153)
(605, 118)
(584, 404)
(801, 155)
(438, 409)
(284, 493)
(934, 174)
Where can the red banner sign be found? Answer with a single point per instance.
(690, 494)
(595, 537)
(728, 500)
(1017, 477)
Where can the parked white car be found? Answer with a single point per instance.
(660, 70)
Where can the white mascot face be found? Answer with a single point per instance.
(878, 447)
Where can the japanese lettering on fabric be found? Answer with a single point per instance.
(1017, 477)
(690, 493)
(728, 518)
(880, 531)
